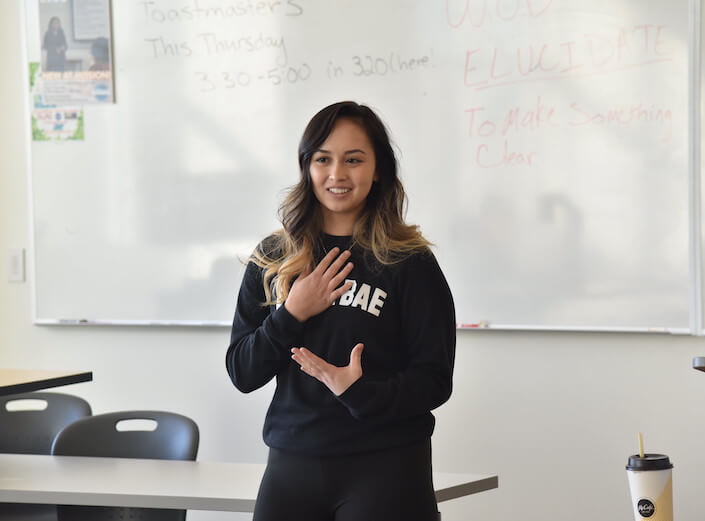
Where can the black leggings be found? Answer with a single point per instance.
(390, 485)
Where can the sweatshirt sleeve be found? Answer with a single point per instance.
(260, 339)
(428, 334)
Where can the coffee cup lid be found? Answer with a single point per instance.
(649, 462)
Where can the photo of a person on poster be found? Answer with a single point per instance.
(54, 44)
(100, 50)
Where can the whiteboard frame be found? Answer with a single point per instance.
(696, 327)
(694, 125)
(459, 327)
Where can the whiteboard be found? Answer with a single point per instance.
(544, 146)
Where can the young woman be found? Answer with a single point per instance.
(347, 307)
(55, 45)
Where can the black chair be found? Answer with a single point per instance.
(175, 438)
(29, 430)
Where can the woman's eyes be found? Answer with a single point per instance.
(323, 160)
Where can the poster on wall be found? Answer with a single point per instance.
(49, 122)
(76, 52)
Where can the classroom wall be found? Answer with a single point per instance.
(554, 414)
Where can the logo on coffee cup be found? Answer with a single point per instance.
(646, 508)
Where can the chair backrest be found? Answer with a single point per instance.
(175, 436)
(170, 436)
(27, 430)
(29, 422)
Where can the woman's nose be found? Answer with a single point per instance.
(337, 171)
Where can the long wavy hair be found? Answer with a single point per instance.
(380, 228)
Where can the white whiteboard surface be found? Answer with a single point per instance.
(544, 145)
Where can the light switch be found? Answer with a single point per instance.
(16, 265)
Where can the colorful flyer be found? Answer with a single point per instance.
(76, 52)
(49, 122)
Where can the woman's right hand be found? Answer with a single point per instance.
(315, 291)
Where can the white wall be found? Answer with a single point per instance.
(555, 414)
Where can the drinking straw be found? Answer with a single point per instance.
(641, 445)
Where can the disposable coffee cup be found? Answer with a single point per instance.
(651, 487)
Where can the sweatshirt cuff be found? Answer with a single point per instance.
(355, 397)
(285, 322)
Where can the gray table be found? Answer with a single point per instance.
(191, 485)
(13, 381)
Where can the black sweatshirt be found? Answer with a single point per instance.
(404, 315)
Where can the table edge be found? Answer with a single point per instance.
(46, 383)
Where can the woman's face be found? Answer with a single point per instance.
(55, 24)
(342, 173)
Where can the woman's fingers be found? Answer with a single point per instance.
(340, 291)
(335, 266)
(315, 290)
(340, 277)
(327, 261)
(332, 263)
(309, 362)
(356, 355)
(337, 379)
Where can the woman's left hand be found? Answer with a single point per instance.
(337, 379)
